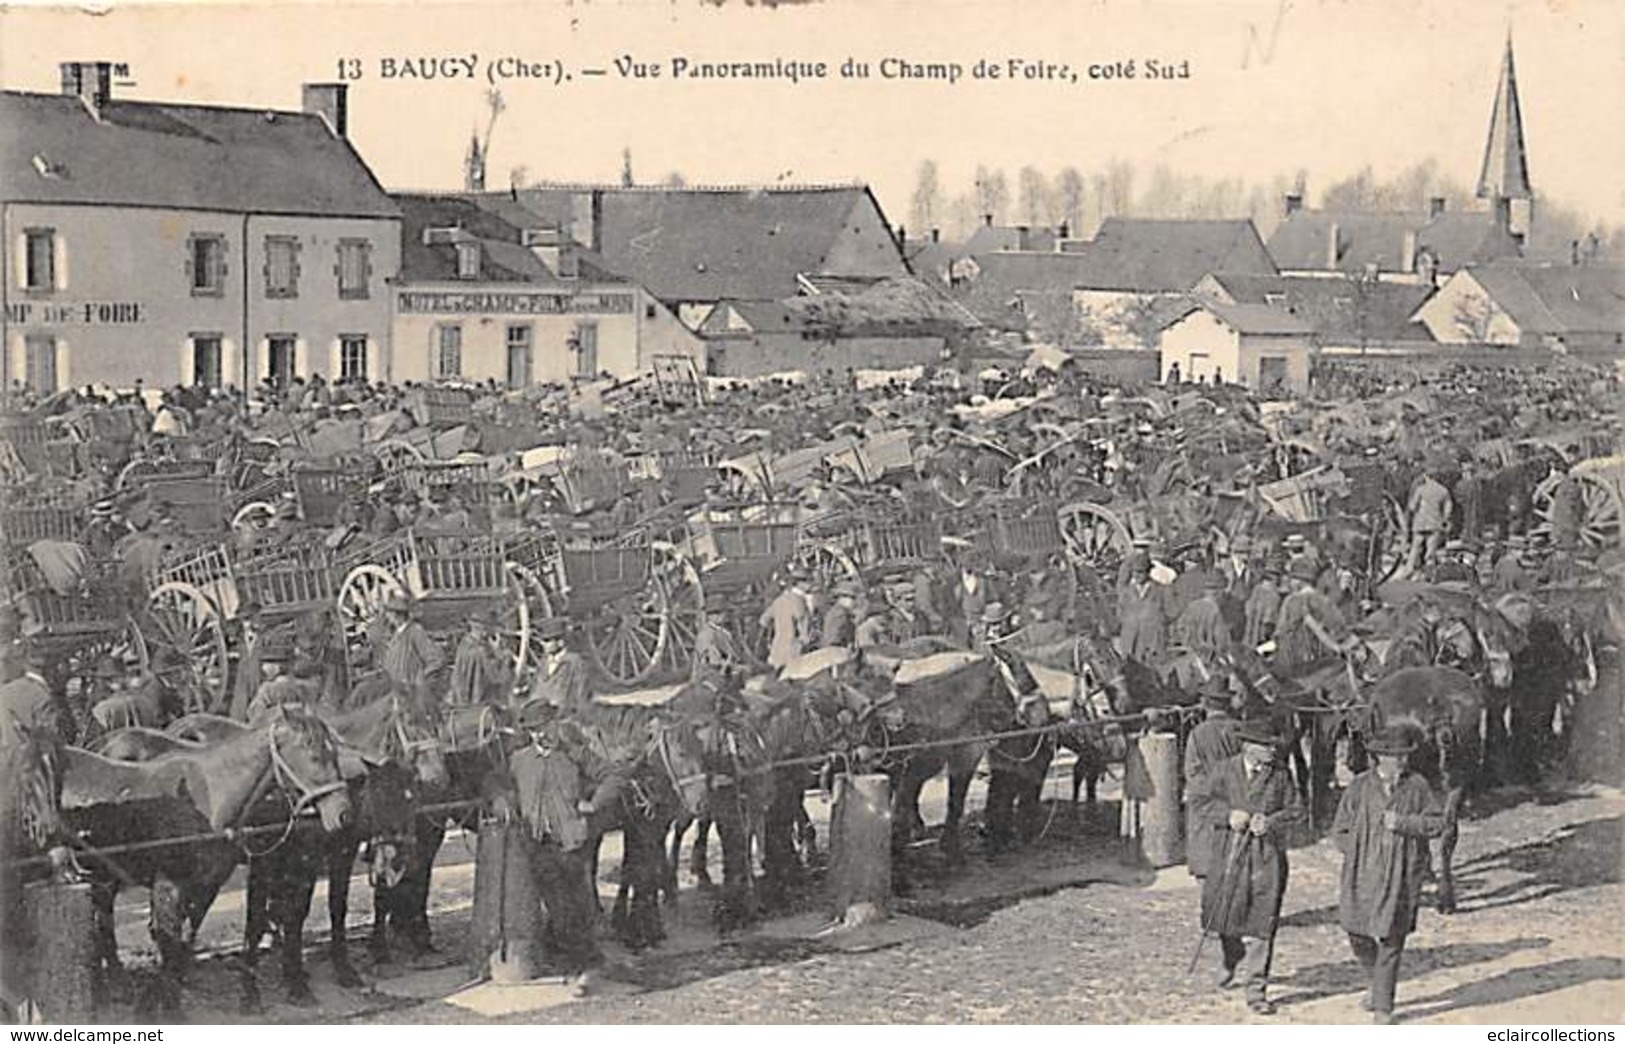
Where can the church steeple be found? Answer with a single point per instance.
(474, 166)
(1505, 174)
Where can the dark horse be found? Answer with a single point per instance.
(1445, 707)
(186, 792)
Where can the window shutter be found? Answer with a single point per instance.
(59, 262)
(191, 253)
(294, 247)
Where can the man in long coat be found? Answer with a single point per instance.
(1382, 827)
(564, 679)
(479, 671)
(788, 622)
(1201, 627)
(1296, 637)
(411, 657)
(1211, 743)
(1142, 614)
(1250, 809)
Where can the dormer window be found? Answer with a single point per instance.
(1275, 299)
(468, 260)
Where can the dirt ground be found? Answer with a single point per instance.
(1070, 930)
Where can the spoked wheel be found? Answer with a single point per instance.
(1094, 536)
(1600, 510)
(361, 601)
(396, 457)
(685, 601)
(253, 517)
(1387, 549)
(627, 637)
(125, 646)
(185, 627)
(827, 565)
(514, 623)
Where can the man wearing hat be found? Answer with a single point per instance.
(1455, 565)
(839, 619)
(1429, 510)
(1142, 613)
(1262, 609)
(788, 621)
(564, 678)
(479, 671)
(1250, 809)
(411, 658)
(1307, 620)
(1509, 573)
(1201, 627)
(27, 699)
(1382, 827)
(1211, 743)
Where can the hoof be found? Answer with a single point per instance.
(251, 1004)
(300, 996)
(346, 976)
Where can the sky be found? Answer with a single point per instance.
(1327, 86)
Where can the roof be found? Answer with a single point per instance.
(702, 244)
(503, 256)
(1455, 238)
(762, 317)
(1559, 300)
(989, 238)
(1167, 256)
(1505, 173)
(184, 157)
(1003, 279)
(1254, 320)
(1340, 310)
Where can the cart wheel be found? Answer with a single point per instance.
(685, 600)
(1094, 536)
(518, 614)
(396, 457)
(627, 637)
(253, 517)
(360, 601)
(183, 623)
(133, 470)
(826, 565)
(1600, 510)
(1387, 543)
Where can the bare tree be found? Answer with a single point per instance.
(925, 209)
(1034, 195)
(626, 168)
(674, 179)
(1069, 191)
(1473, 315)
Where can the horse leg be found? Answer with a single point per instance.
(961, 767)
(1447, 851)
(733, 908)
(256, 913)
(431, 834)
(699, 857)
(999, 814)
(290, 907)
(341, 853)
(115, 980)
(168, 926)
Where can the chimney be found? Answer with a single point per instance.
(90, 82)
(987, 219)
(1064, 232)
(1435, 206)
(1407, 251)
(1291, 204)
(587, 218)
(1333, 251)
(936, 235)
(330, 101)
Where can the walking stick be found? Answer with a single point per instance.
(1227, 888)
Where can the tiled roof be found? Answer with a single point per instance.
(191, 157)
(989, 238)
(1339, 309)
(1167, 256)
(503, 257)
(1560, 299)
(1259, 320)
(1302, 241)
(704, 244)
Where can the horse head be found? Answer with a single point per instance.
(389, 806)
(305, 763)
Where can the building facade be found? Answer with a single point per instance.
(1253, 345)
(174, 244)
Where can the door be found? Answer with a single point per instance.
(587, 350)
(279, 361)
(39, 366)
(1272, 374)
(520, 356)
(206, 362)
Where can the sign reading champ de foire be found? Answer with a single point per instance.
(511, 302)
(88, 313)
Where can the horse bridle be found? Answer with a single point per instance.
(288, 778)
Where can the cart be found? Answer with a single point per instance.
(1601, 482)
(77, 627)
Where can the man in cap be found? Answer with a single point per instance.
(1429, 510)
(788, 621)
(480, 673)
(564, 678)
(1250, 810)
(1509, 573)
(248, 673)
(1310, 627)
(1382, 827)
(411, 658)
(1201, 627)
(1142, 613)
(1262, 609)
(840, 618)
(1211, 743)
(28, 700)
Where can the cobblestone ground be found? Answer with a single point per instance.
(1538, 938)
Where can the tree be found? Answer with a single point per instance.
(1034, 195)
(626, 168)
(1119, 189)
(925, 210)
(1069, 192)
(992, 194)
(674, 180)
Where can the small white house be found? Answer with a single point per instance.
(1256, 345)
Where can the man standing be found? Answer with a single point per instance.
(1201, 628)
(1250, 808)
(479, 671)
(564, 680)
(788, 622)
(1211, 744)
(411, 657)
(27, 700)
(1142, 614)
(1309, 625)
(1430, 508)
(1382, 826)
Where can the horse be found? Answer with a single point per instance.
(1443, 706)
(191, 791)
(30, 823)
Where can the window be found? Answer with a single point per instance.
(353, 357)
(207, 363)
(39, 364)
(281, 266)
(39, 260)
(520, 355)
(468, 260)
(448, 356)
(280, 353)
(650, 312)
(586, 350)
(354, 269)
(206, 265)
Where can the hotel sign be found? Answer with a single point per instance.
(88, 313)
(511, 302)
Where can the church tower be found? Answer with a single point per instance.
(474, 166)
(1505, 174)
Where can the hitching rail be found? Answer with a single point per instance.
(447, 807)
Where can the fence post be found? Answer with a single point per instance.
(506, 938)
(62, 915)
(1161, 835)
(860, 849)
